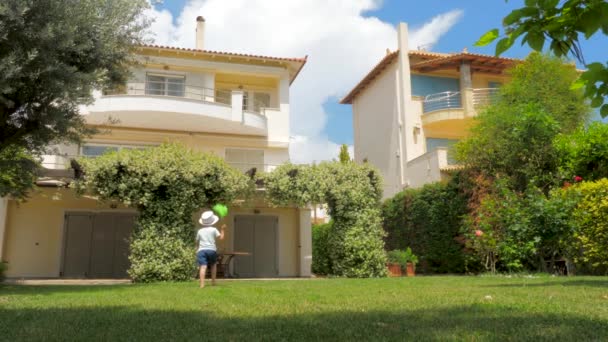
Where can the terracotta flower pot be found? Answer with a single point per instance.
(410, 269)
(394, 270)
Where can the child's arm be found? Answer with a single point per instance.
(221, 237)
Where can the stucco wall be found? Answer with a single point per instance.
(375, 117)
(34, 232)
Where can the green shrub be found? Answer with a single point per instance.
(352, 193)
(429, 220)
(321, 262)
(167, 184)
(590, 226)
(584, 153)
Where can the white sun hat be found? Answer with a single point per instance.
(208, 218)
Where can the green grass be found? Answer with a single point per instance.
(422, 308)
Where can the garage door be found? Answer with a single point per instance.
(96, 245)
(256, 235)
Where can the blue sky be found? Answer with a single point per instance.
(477, 18)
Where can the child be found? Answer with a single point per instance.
(207, 250)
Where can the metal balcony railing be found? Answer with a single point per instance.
(440, 101)
(176, 89)
(484, 96)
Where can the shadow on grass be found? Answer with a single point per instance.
(123, 323)
(558, 282)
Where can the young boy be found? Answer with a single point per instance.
(207, 249)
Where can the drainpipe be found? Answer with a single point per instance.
(406, 123)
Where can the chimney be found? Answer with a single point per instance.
(200, 33)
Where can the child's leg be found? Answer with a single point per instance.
(213, 273)
(202, 271)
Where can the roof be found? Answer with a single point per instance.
(297, 63)
(479, 63)
(432, 61)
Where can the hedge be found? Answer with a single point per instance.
(321, 261)
(428, 220)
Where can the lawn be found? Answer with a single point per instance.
(422, 308)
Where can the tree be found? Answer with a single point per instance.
(562, 23)
(513, 138)
(584, 153)
(53, 54)
(344, 156)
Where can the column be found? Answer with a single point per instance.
(305, 245)
(237, 105)
(466, 89)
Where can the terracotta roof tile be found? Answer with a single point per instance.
(211, 52)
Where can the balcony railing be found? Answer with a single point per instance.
(441, 101)
(218, 96)
(453, 99)
(484, 96)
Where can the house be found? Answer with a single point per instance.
(413, 105)
(234, 105)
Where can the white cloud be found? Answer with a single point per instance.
(342, 45)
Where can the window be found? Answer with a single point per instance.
(260, 100)
(93, 150)
(223, 96)
(165, 85)
(245, 100)
(245, 160)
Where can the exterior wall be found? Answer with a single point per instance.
(275, 153)
(376, 137)
(427, 168)
(34, 233)
(34, 236)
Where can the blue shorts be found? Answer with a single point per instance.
(206, 257)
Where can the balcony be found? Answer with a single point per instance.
(449, 112)
(187, 108)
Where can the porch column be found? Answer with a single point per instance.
(466, 89)
(3, 215)
(237, 105)
(284, 94)
(305, 245)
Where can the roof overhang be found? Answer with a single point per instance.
(293, 65)
(478, 63)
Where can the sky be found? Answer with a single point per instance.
(343, 39)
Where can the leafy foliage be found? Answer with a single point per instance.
(561, 23)
(167, 184)
(513, 137)
(429, 220)
(589, 225)
(321, 262)
(18, 172)
(402, 257)
(53, 54)
(352, 193)
(584, 153)
(344, 156)
(515, 142)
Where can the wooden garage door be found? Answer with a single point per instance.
(256, 235)
(97, 245)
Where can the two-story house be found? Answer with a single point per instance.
(233, 105)
(413, 105)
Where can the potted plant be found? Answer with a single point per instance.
(395, 263)
(410, 262)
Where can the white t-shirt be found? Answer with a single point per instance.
(206, 238)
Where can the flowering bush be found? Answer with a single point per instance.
(167, 184)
